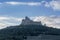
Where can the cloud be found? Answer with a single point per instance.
(51, 21)
(13, 3)
(9, 21)
(54, 4)
(24, 3)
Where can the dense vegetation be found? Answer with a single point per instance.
(22, 31)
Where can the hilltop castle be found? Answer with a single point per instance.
(27, 21)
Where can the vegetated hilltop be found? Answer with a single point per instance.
(27, 28)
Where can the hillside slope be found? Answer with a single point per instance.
(22, 31)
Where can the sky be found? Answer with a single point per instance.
(13, 11)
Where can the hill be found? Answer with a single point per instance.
(22, 31)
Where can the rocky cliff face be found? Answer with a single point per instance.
(27, 21)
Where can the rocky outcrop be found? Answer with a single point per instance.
(27, 21)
